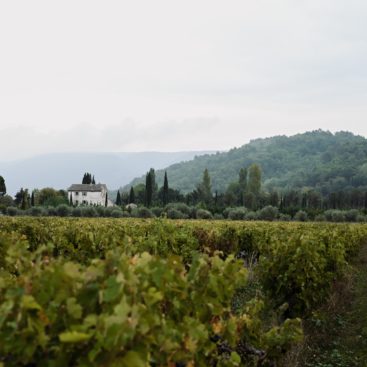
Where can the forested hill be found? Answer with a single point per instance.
(318, 159)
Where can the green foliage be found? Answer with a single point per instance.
(268, 213)
(124, 291)
(203, 214)
(319, 159)
(2, 186)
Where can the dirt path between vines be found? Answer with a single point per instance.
(337, 335)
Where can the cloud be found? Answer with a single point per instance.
(177, 75)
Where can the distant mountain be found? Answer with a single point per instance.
(62, 169)
(318, 159)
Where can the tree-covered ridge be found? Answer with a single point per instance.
(319, 159)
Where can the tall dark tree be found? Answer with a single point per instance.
(93, 181)
(148, 189)
(32, 198)
(132, 196)
(165, 197)
(106, 201)
(87, 179)
(71, 200)
(118, 198)
(2, 186)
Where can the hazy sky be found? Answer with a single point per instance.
(177, 75)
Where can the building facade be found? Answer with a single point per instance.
(89, 194)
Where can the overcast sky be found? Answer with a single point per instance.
(177, 75)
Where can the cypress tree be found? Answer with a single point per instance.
(254, 179)
(93, 180)
(106, 201)
(148, 189)
(71, 199)
(165, 189)
(132, 196)
(118, 198)
(32, 199)
(2, 186)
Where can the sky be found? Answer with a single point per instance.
(168, 75)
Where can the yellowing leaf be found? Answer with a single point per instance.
(29, 303)
(74, 337)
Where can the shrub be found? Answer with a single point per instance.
(36, 211)
(142, 212)
(237, 213)
(102, 211)
(175, 214)
(88, 211)
(251, 215)
(351, 215)
(218, 216)
(284, 217)
(12, 211)
(51, 211)
(183, 208)
(268, 213)
(157, 211)
(63, 210)
(361, 218)
(334, 215)
(117, 213)
(301, 216)
(203, 214)
(320, 218)
(76, 212)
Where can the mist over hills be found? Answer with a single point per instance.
(318, 159)
(60, 170)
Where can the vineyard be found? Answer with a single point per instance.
(129, 292)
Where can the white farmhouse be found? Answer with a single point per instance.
(89, 194)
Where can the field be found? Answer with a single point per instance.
(128, 292)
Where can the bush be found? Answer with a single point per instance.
(88, 211)
(51, 211)
(218, 216)
(251, 216)
(183, 208)
(63, 210)
(157, 211)
(175, 214)
(351, 215)
(268, 213)
(103, 212)
(334, 215)
(203, 214)
(36, 211)
(76, 212)
(117, 213)
(300, 216)
(320, 218)
(237, 213)
(284, 217)
(126, 214)
(142, 212)
(12, 211)
(361, 218)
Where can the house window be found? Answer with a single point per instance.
(76, 193)
(85, 202)
(84, 194)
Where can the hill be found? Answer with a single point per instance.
(319, 159)
(62, 169)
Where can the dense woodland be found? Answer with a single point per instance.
(316, 175)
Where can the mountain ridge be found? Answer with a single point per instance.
(316, 159)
